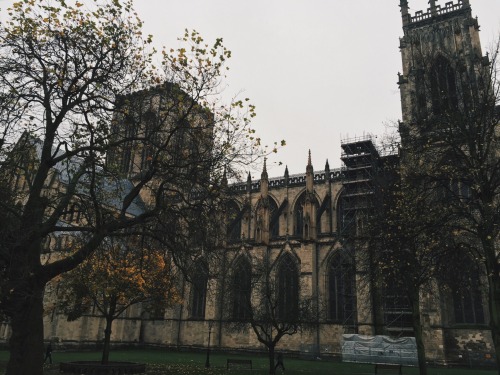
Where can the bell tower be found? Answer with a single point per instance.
(442, 62)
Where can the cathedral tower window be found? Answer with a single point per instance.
(443, 86)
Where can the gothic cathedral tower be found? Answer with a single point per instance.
(442, 63)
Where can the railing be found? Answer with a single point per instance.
(448, 8)
(293, 180)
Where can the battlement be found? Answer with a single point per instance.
(435, 11)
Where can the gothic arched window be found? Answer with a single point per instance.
(346, 215)
(468, 304)
(397, 311)
(242, 289)
(274, 219)
(341, 289)
(443, 86)
(466, 291)
(233, 222)
(288, 289)
(298, 216)
(200, 281)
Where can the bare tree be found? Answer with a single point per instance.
(269, 298)
(446, 199)
(456, 152)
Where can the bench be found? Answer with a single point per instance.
(384, 368)
(239, 363)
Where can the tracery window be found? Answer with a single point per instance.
(298, 215)
(242, 288)
(443, 86)
(468, 304)
(466, 292)
(200, 281)
(274, 221)
(464, 283)
(346, 215)
(233, 222)
(341, 284)
(288, 289)
(397, 311)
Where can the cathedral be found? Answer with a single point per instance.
(302, 223)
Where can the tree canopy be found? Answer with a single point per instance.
(80, 158)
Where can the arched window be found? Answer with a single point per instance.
(341, 292)
(242, 289)
(288, 289)
(298, 216)
(467, 296)
(346, 215)
(397, 311)
(468, 304)
(465, 286)
(200, 281)
(274, 219)
(233, 222)
(443, 86)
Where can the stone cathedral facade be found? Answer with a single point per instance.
(302, 222)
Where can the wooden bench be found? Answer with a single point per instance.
(239, 363)
(384, 368)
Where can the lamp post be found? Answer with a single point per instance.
(210, 325)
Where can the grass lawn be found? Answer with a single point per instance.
(161, 362)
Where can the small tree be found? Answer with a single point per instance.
(116, 277)
(268, 299)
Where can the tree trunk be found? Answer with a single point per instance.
(107, 341)
(494, 296)
(272, 370)
(494, 309)
(417, 327)
(26, 342)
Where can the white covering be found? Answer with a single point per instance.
(379, 349)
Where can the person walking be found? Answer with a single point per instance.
(48, 353)
(279, 362)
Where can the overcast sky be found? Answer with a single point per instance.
(318, 70)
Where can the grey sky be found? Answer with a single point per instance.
(317, 70)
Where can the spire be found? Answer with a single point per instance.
(327, 170)
(264, 171)
(264, 182)
(405, 14)
(287, 175)
(249, 182)
(309, 167)
(309, 174)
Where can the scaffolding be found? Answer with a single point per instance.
(361, 160)
(360, 163)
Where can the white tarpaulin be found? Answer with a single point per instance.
(379, 349)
